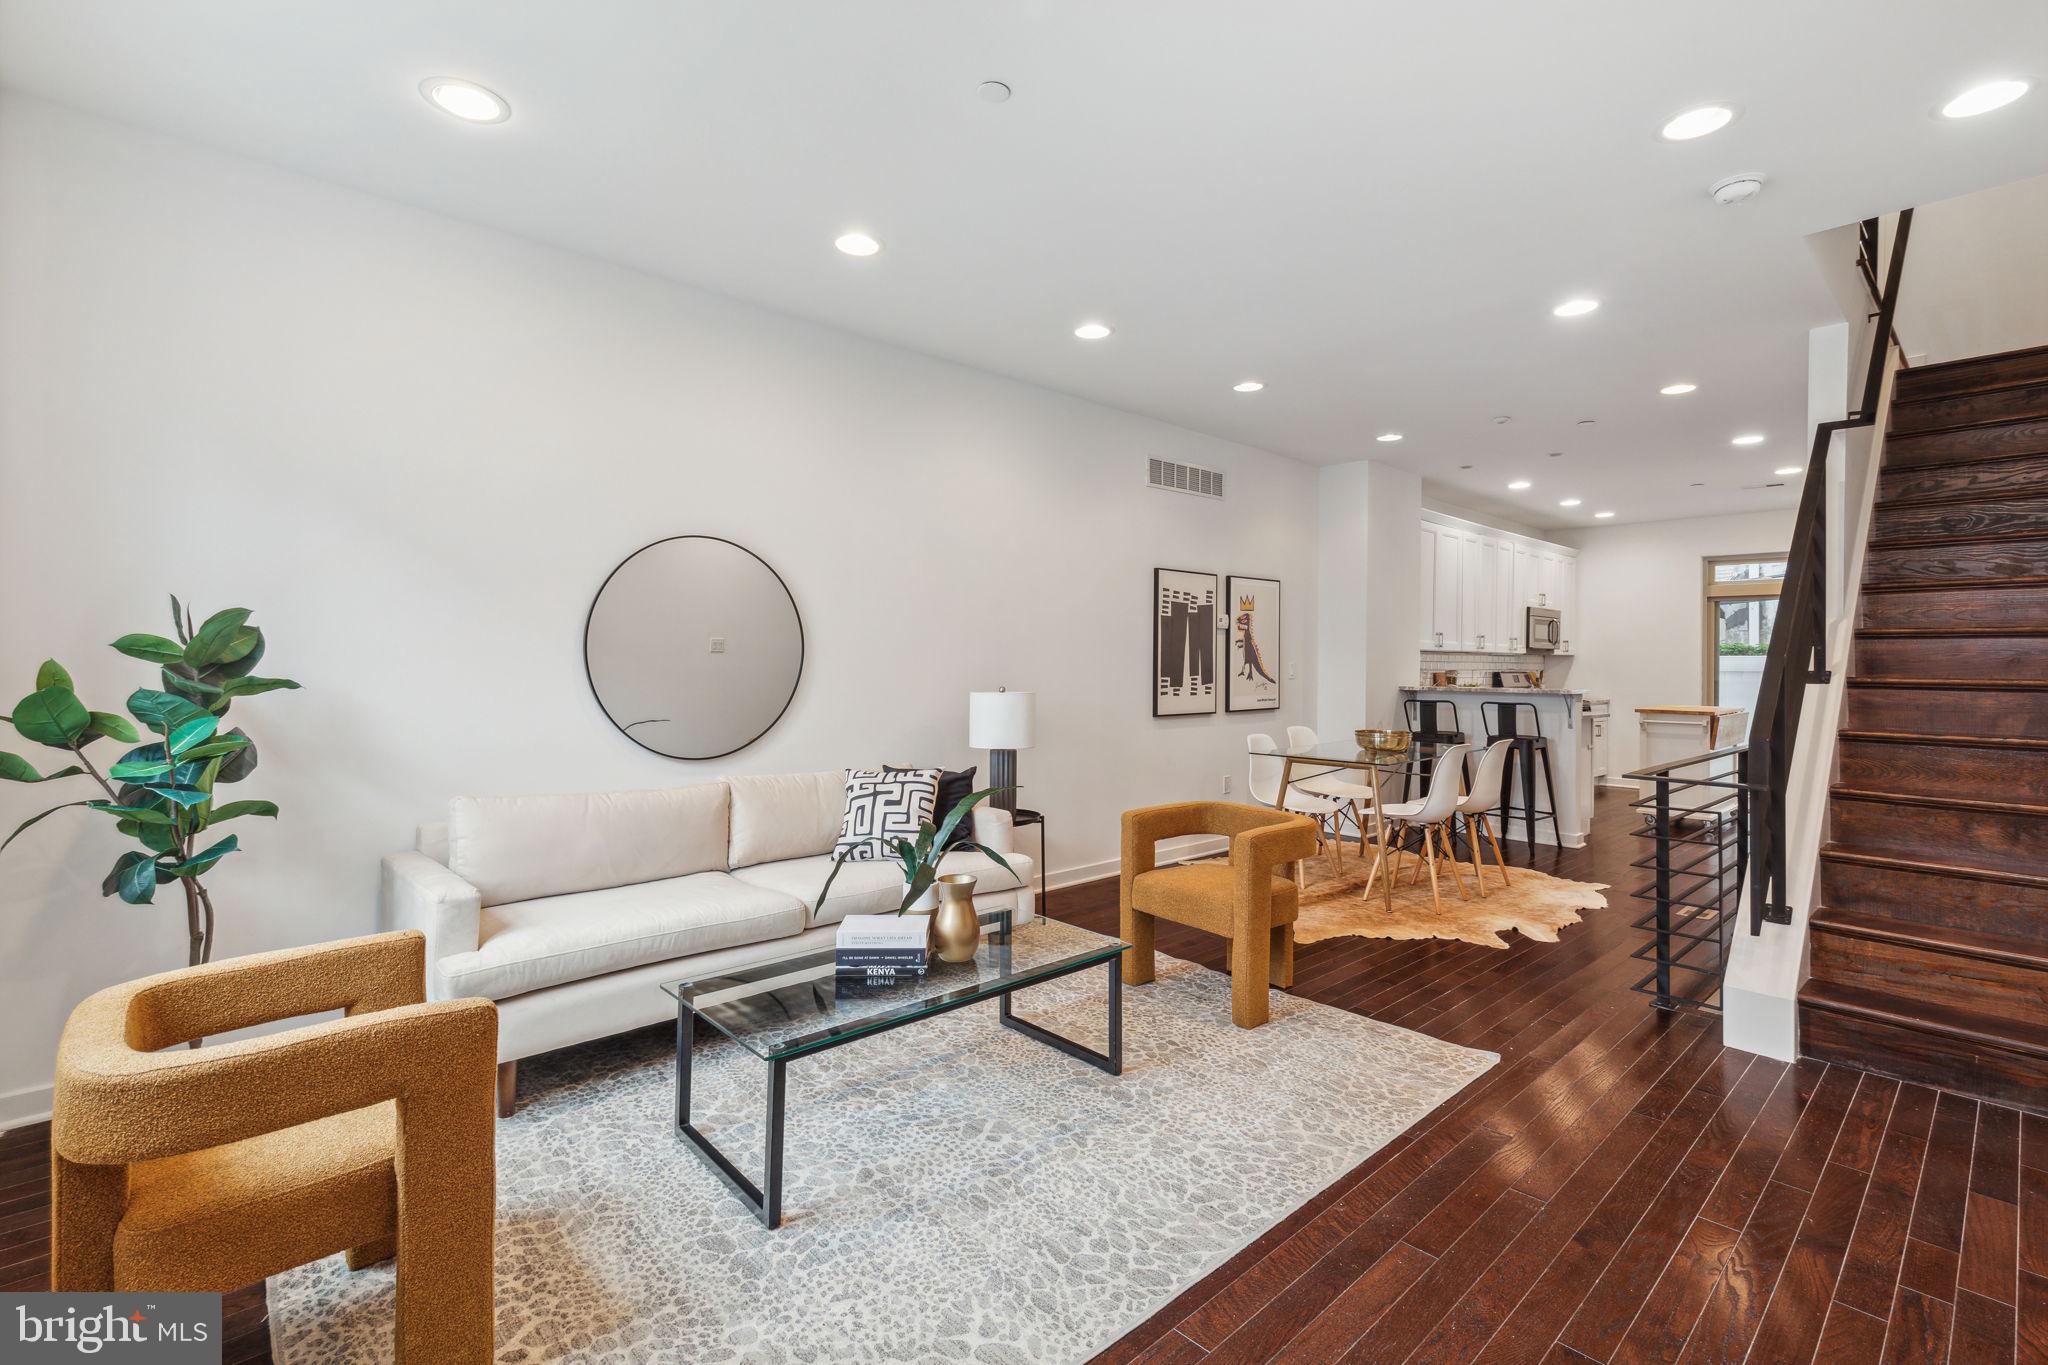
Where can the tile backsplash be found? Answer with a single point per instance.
(1480, 668)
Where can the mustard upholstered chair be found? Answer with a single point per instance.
(211, 1168)
(1250, 900)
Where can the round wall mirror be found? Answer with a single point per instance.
(694, 647)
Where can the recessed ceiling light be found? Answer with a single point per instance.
(1092, 331)
(1464, 466)
(1673, 390)
(857, 244)
(1750, 438)
(1575, 308)
(1555, 455)
(1567, 502)
(1248, 386)
(1982, 99)
(1789, 470)
(995, 92)
(1388, 437)
(1602, 516)
(1708, 118)
(465, 99)
(1519, 484)
(1588, 422)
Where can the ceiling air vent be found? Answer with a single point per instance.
(1185, 478)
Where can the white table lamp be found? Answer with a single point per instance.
(1002, 722)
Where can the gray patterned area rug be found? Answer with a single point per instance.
(955, 1191)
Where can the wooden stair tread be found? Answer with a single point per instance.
(1952, 584)
(1843, 793)
(1951, 632)
(1958, 741)
(1953, 684)
(1978, 943)
(1842, 854)
(1946, 1021)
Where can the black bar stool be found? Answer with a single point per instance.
(1434, 726)
(1516, 720)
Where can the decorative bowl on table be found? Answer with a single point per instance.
(1382, 739)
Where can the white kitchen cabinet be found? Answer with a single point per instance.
(1474, 584)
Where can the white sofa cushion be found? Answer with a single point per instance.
(785, 815)
(529, 944)
(519, 848)
(861, 888)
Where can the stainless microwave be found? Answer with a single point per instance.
(1545, 629)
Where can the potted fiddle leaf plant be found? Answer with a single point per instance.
(162, 792)
(921, 858)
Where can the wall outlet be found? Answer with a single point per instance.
(718, 644)
(1226, 784)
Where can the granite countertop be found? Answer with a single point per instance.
(1505, 691)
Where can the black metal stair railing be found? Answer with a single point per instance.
(1708, 849)
(1696, 820)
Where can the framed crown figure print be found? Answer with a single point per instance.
(1251, 675)
(1184, 631)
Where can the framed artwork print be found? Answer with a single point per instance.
(1253, 680)
(1184, 629)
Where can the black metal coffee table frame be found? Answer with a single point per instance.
(766, 1199)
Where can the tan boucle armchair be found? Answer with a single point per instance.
(1242, 899)
(211, 1168)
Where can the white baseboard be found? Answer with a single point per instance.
(1171, 851)
(19, 1108)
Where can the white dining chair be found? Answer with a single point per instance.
(1481, 801)
(1359, 797)
(1434, 811)
(1264, 780)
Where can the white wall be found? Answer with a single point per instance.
(1642, 611)
(415, 448)
(1367, 516)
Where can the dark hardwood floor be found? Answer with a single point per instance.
(1620, 1188)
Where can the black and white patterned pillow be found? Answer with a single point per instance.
(883, 806)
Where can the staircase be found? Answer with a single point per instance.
(1929, 950)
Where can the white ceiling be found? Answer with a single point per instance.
(1371, 208)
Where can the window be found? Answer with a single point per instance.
(1741, 607)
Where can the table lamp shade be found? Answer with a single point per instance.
(1001, 720)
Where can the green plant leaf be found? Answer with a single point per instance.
(823, 891)
(214, 748)
(998, 859)
(52, 716)
(249, 687)
(241, 762)
(33, 819)
(15, 768)
(155, 838)
(113, 727)
(153, 649)
(182, 796)
(112, 883)
(181, 620)
(193, 730)
(140, 769)
(916, 886)
(224, 638)
(52, 674)
(136, 882)
(236, 668)
(141, 815)
(238, 808)
(199, 862)
(189, 685)
(160, 711)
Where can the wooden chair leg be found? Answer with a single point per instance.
(1429, 847)
(1491, 838)
(1478, 871)
(1450, 851)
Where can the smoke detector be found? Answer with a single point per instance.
(1737, 189)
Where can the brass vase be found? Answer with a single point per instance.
(956, 928)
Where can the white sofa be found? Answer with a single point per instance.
(571, 911)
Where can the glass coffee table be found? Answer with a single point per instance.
(793, 1006)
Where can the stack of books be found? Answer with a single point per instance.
(883, 947)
